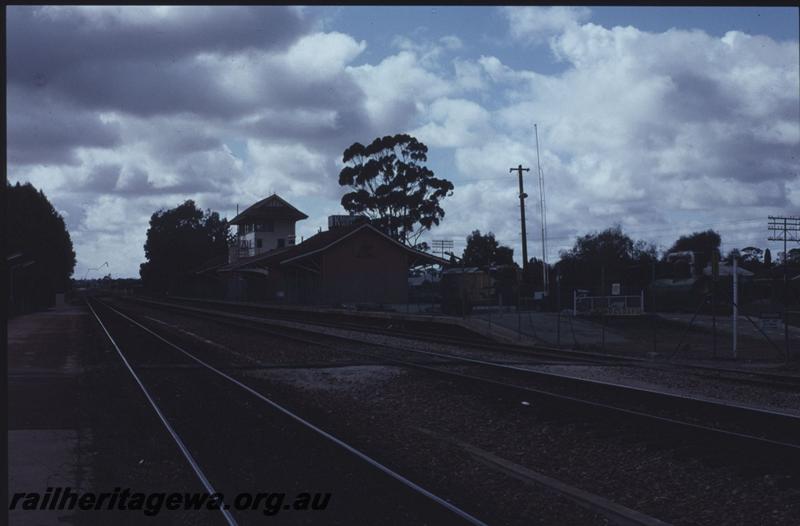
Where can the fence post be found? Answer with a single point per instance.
(655, 338)
(558, 329)
(603, 325)
(574, 302)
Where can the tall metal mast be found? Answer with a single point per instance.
(543, 209)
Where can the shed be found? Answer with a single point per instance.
(347, 264)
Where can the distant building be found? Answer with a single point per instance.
(727, 270)
(354, 264)
(267, 225)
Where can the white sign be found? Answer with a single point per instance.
(615, 289)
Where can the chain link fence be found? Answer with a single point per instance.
(622, 325)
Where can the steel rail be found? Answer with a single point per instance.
(614, 512)
(175, 437)
(424, 336)
(761, 417)
(545, 352)
(297, 418)
(785, 381)
(790, 452)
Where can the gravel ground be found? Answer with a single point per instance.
(661, 482)
(676, 382)
(244, 445)
(384, 410)
(684, 384)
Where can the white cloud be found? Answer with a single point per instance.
(396, 89)
(638, 127)
(143, 115)
(322, 55)
(454, 122)
(536, 24)
(645, 126)
(469, 77)
(451, 42)
(291, 170)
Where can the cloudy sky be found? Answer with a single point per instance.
(665, 120)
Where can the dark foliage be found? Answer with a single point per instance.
(392, 186)
(703, 244)
(599, 259)
(484, 251)
(35, 229)
(534, 273)
(179, 240)
(751, 255)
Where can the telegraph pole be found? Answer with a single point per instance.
(441, 245)
(522, 195)
(785, 229)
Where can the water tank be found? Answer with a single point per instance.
(338, 221)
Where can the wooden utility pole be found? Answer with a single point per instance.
(522, 195)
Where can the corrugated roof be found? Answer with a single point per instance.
(272, 207)
(259, 258)
(210, 264)
(319, 243)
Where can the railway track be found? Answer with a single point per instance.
(226, 399)
(614, 513)
(786, 382)
(398, 329)
(752, 456)
(747, 434)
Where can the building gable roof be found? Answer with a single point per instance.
(210, 265)
(272, 207)
(321, 242)
(340, 234)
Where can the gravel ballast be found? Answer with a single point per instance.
(386, 410)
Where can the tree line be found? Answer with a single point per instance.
(388, 182)
(39, 254)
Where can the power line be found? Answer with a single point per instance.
(785, 229)
(441, 245)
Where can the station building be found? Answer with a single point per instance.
(352, 262)
(267, 225)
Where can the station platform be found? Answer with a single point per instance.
(410, 316)
(47, 425)
(77, 420)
